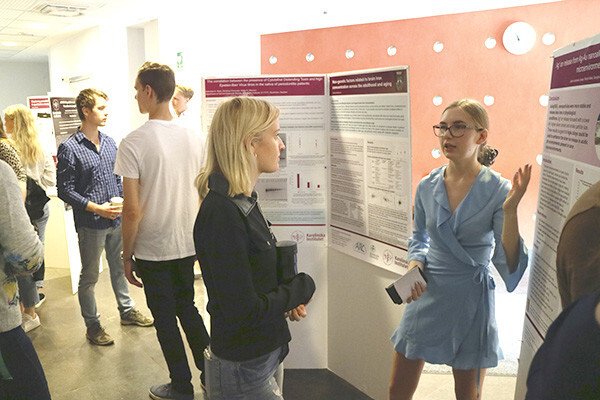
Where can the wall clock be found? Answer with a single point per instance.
(519, 38)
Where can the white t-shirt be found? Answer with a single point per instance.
(166, 158)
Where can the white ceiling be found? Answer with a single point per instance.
(27, 34)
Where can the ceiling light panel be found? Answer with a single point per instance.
(39, 17)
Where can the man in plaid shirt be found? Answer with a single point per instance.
(86, 181)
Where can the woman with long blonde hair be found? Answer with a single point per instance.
(40, 168)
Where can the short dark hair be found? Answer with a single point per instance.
(160, 78)
(87, 98)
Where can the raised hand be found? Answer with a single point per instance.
(519, 187)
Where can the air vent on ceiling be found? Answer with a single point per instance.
(60, 10)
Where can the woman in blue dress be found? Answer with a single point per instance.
(465, 220)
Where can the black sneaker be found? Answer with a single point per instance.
(166, 392)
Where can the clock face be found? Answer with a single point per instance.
(519, 38)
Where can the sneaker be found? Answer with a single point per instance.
(30, 323)
(98, 336)
(134, 317)
(42, 299)
(166, 392)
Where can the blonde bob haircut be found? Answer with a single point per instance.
(24, 134)
(236, 123)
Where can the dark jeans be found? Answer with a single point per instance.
(40, 224)
(28, 379)
(169, 288)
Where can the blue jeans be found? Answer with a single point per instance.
(169, 288)
(91, 244)
(28, 284)
(22, 363)
(258, 379)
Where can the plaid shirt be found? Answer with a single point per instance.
(86, 174)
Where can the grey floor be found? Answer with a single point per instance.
(77, 370)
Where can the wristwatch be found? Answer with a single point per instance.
(130, 258)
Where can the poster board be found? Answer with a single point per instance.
(345, 176)
(294, 199)
(370, 165)
(64, 117)
(571, 164)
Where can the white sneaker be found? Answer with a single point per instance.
(42, 300)
(30, 323)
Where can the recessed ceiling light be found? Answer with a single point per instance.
(57, 10)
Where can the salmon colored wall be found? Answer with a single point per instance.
(465, 68)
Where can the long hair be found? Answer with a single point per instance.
(24, 134)
(236, 123)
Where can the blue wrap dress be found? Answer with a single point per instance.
(453, 322)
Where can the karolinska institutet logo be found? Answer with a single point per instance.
(298, 236)
(388, 257)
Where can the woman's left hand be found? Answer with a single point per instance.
(519, 187)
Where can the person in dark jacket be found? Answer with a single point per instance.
(237, 253)
(567, 365)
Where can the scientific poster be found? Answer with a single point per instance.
(294, 199)
(64, 117)
(571, 164)
(40, 108)
(370, 166)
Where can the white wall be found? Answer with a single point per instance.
(361, 320)
(100, 55)
(21, 79)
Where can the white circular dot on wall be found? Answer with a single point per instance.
(548, 38)
(392, 51)
(490, 42)
(538, 159)
(438, 47)
(436, 153)
(533, 217)
(272, 60)
(488, 100)
(310, 57)
(544, 100)
(349, 54)
(437, 100)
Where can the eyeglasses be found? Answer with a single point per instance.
(456, 130)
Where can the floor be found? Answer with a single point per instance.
(77, 370)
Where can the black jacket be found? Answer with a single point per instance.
(236, 251)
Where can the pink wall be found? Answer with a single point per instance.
(465, 68)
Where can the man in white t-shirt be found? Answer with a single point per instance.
(159, 162)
